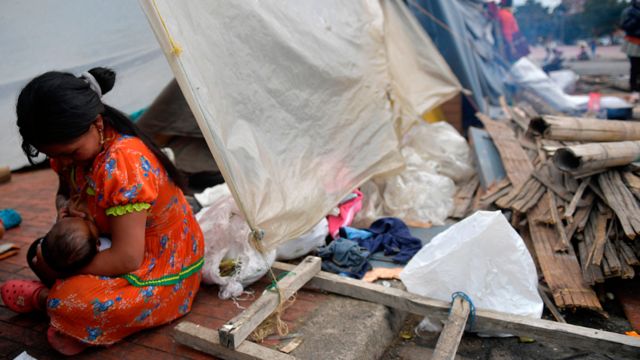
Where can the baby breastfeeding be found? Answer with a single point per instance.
(71, 243)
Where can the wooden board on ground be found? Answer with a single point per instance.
(236, 330)
(206, 340)
(561, 269)
(449, 338)
(545, 331)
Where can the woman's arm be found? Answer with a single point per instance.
(127, 246)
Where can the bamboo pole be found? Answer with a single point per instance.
(581, 129)
(596, 156)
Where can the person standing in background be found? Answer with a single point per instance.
(515, 45)
(631, 46)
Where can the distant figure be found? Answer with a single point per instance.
(631, 46)
(583, 55)
(516, 45)
(594, 45)
(554, 60)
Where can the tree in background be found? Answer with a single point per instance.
(534, 21)
(599, 18)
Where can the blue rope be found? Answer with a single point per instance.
(472, 307)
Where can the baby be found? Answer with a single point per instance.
(71, 244)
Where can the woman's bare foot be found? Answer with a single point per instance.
(65, 344)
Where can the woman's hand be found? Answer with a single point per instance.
(71, 208)
(127, 246)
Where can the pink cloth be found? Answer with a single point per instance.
(348, 211)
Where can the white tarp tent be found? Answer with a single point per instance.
(75, 35)
(298, 100)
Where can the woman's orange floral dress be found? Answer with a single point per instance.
(127, 177)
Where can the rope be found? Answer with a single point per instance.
(274, 322)
(472, 307)
(175, 48)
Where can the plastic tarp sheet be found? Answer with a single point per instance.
(74, 36)
(529, 75)
(464, 36)
(293, 96)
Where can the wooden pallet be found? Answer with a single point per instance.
(229, 341)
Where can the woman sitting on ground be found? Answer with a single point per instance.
(150, 275)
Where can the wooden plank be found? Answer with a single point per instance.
(561, 269)
(599, 228)
(206, 340)
(464, 197)
(450, 337)
(236, 330)
(515, 160)
(568, 212)
(612, 258)
(633, 182)
(551, 306)
(621, 201)
(627, 253)
(563, 244)
(517, 119)
(544, 331)
(587, 272)
(581, 218)
(493, 194)
(557, 189)
(531, 199)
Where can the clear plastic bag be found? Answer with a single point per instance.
(304, 244)
(440, 142)
(484, 257)
(226, 235)
(419, 194)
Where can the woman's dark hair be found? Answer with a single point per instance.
(58, 107)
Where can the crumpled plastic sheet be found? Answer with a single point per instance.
(419, 194)
(226, 235)
(442, 143)
(304, 244)
(436, 156)
(482, 256)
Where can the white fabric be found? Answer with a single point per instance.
(74, 36)
(482, 256)
(293, 96)
(420, 77)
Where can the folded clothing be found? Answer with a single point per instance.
(345, 257)
(390, 235)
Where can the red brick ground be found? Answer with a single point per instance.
(32, 195)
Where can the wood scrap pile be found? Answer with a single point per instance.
(573, 193)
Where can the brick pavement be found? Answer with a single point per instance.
(32, 194)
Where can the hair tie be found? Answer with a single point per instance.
(93, 83)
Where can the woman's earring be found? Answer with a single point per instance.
(101, 136)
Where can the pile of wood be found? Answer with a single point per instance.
(573, 192)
